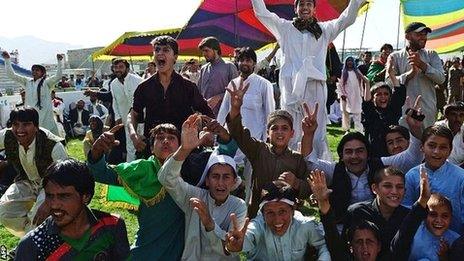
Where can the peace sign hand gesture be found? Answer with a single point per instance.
(309, 122)
(235, 237)
(236, 97)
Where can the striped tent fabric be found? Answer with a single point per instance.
(232, 21)
(444, 17)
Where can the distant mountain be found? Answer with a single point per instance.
(34, 50)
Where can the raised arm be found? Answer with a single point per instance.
(269, 19)
(346, 18)
(53, 80)
(22, 80)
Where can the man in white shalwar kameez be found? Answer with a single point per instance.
(303, 72)
(38, 90)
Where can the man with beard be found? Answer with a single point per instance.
(38, 89)
(30, 150)
(123, 88)
(258, 103)
(215, 74)
(419, 70)
(79, 117)
(73, 231)
(302, 78)
(167, 97)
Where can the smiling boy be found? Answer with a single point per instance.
(207, 210)
(445, 178)
(272, 160)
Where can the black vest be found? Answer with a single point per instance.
(43, 153)
(340, 198)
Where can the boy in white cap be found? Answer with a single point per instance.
(207, 211)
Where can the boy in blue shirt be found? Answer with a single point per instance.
(425, 233)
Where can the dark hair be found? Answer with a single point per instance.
(71, 172)
(437, 199)
(166, 40)
(363, 224)
(121, 60)
(164, 127)
(438, 130)
(403, 131)
(26, 114)
(279, 114)
(152, 63)
(386, 46)
(210, 42)
(349, 137)
(247, 52)
(380, 85)
(298, 2)
(386, 172)
(455, 106)
(367, 52)
(278, 189)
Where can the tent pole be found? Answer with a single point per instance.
(343, 45)
(364, 28)
(398, 31)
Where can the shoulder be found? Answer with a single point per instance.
(237, 203)
(259, 78)
(455, 170)
(412, 172)
(107, 218)
(183, 82)
(50, 135)
(360, 206)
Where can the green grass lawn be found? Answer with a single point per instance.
(98, 202)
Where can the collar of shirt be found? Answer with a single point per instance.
(442, 169)
(287, 151)
(31, 146)
(217, 61)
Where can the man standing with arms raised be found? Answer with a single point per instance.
(304, 44)
(38, 90)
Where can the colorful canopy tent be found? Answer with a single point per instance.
(444, 17)
(232, 21)
(133, 45)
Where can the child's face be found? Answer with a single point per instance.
(220, 181)
(280, 132)
(438, 219)
(390, 191)
(436, 150)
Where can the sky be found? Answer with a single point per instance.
(91, 23)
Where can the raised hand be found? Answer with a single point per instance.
(236, 96)
(290, 178)
(443, 250)
(235, 237)
(309, 122)
(415, 61)
(189, 134)
(5, 55)
(424, 187)
(320, 191)
(105, 142)
(213, 126)
(200, 207)
(414, 117)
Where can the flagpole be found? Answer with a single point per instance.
(364, 28)
(343, 45)
(398, 31)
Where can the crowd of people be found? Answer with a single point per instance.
(220, 170)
